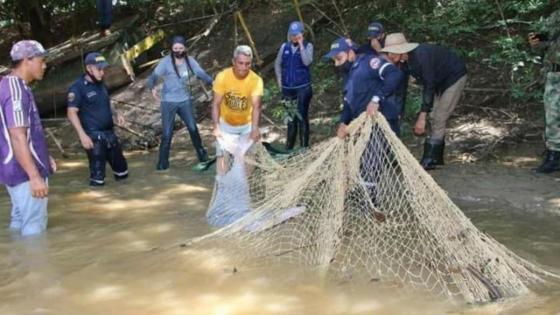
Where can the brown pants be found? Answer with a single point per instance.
(444, 105)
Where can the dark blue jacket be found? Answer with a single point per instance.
(372, 77)
(94, 104)
(436, 68)
(295, 74)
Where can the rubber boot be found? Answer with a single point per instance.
(303, 135)
(433, 154)
(551, 162)
(291, 135)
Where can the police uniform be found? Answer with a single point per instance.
(372, 78)
(94, 104)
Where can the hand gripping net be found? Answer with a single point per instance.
(361, 208)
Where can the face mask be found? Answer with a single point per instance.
(179, 55)
(93, 78)
(345, 67)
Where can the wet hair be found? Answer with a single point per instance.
(243, 50)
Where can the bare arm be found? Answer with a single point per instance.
(255, 132)
(216, 109)
(72, 114)
(18, 136)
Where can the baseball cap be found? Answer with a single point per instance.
(339, 45)
(96, 59)
(295, 28)
(375, 29)
(27, 49)
(178, 39)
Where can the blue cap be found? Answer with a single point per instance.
(178, 39)
(296, 28)
(375, 29)
(96, 59)
(339, 45)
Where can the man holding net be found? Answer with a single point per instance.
(235, 113)
(236, 107)
(372, 80)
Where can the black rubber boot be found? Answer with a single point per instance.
(433, 154)
(291, 135)
(551, 162)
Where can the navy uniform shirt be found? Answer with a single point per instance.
(371, 78)
(437, 68)
(94, 104)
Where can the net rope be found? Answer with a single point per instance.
(359, 208)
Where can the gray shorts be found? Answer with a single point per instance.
(229, 129)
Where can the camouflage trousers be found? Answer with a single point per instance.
(552, 110)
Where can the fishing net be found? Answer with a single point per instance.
(361, 209)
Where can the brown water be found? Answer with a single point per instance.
(107, 252)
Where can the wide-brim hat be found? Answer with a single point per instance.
(396, 43)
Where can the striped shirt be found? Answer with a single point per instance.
(18, 110)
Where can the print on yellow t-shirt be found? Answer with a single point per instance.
(236, 107)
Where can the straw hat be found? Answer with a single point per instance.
(396, 43)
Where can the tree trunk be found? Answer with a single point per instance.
(32, 12)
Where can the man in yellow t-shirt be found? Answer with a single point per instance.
(236, 107)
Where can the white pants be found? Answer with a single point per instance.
(226, 129)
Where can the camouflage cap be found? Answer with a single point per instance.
(27, 49)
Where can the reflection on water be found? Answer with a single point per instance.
(105, 253)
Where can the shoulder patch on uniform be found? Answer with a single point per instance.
(71, 97)
(374, 63)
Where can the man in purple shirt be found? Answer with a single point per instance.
(25, 163)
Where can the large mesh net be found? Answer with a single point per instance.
(360, 208)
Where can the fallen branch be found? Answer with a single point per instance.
(57, 143)
(186, 21)
(327, 17)
(346, 33)
(132, 131)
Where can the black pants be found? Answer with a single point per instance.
(303, 97)
(106, 148)
(105, 12)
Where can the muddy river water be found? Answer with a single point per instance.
(103, 254)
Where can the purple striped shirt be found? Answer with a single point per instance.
(18, 109)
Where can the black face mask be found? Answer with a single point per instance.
(179, 55)
(295, 44)
(93, 78)
(345, 67)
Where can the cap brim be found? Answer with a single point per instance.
(400, 49)
(331, 54)
(293, 33)
(102, 65)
